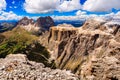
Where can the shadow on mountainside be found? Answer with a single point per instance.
(19, 40)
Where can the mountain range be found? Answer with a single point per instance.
(90, 52)
(8, 25)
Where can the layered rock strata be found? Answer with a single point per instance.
(92, 51)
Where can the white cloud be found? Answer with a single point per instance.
(79, 12)
(80, 15)
(101, 5)
(9, 16)
(2, 5)
(116, 16)
(13, 7)
(13, 2)
(118, 13)
(70, 5)
(45, 6)
(40, 6)
(10, 7)
(58, 18)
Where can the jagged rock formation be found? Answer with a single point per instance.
(28, 24)
(25, 21)
(36, 27)
(18, 67)
(45, 22)
(92, 51)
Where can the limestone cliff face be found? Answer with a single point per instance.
(92, 51)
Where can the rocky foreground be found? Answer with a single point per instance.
(18, 67)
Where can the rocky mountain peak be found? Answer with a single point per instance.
(37, 27)
(25, 21)
(44, 22)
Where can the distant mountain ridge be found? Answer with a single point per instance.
(39, 22)
(74, 23)
(7, 25)
(36, 27)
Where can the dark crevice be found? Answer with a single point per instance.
(95, 38)
(66, 61)
(116, 30)
(61, 47)
(69, 56)
(62, 59)
(113, 78)
(86, 52)
(75, 70)
(50, 35)
(86, 49)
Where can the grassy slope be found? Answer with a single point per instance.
(20, 41)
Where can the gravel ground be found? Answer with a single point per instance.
(18, 67)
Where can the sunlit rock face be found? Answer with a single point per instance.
(28, 24)
(92, 51)
(37, 27)
(25, 21)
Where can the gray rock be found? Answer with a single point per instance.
(18, 67)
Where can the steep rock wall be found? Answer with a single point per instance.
(92, 51)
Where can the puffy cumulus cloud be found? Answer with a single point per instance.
(116, 16)
(81, 15)
(69, 5)
(45, 6)
(78, 17)
(2, 4)
(69, 18)
(79, 12)
(101, 5)
(40, 6)
(9, 16)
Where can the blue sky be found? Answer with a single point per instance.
(33, 8)
(20, 10)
